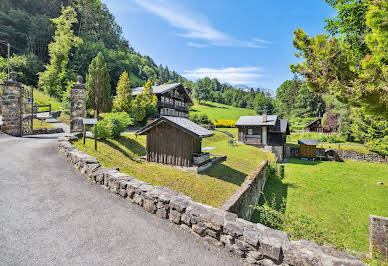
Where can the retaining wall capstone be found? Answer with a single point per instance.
(248, 194)
(256, 243)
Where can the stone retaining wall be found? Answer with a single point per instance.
(255, 242)
(41, 131)
(357, 156)
(248, 194)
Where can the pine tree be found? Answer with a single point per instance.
(122, 103)
(98, 84)
(57, 74)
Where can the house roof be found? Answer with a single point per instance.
(160, 89)
(281, 126)
(257, 120)
(312, 142)
(179, 122)
(312, 122)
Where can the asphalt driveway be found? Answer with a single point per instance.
(51, 214)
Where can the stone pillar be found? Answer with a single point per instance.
(11, 106)
(264, 135)
(77, 106)
(378, 236)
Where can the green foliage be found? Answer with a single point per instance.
(66, 101)
(334, 66)
(98, 84)
(57, 74)
(144, 104)
(199, 119)
(320, 137)
(122, 102)
(113, 125)
(263, 103)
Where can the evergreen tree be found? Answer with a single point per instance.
(122, 103)
(57, 74)
(98, 84)
(145, 103)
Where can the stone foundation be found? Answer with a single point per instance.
(77, 106)
(378, 236)
(256, 243)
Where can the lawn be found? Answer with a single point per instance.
(40, 124)
(219, 111)
(41, 98)
(213, 187)
(335, 197)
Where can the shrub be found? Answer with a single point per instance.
(224, 123)
(199, 119)
(113, 125)
(320, 137)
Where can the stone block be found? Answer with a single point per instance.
(233, 229)
(227, 239)
(179, 203)
(175, 216)
(254, 256)
(162, 213)
(213, 241)
(138, 199)
(212, 218)
(199, 228)
(212, 233)
(243, 246)
(251, 236)
(186, 219)
(378, 235)
(149, 205)
(123, 192)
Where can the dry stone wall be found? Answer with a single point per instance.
(77, 106)
(11, 108)
(248, 194)
(256, 243)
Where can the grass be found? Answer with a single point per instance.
(219, 111)
(41, 98)
(40, 124)
(213, 187)
(335, 196)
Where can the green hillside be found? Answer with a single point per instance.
(219, 111)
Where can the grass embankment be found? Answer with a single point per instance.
(335, 197)
(39, 124)
(41, 98)
(219, 111)
(213, 187)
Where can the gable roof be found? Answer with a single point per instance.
(314, 121)
(308, 142)
(257, 120)
(281, 126)
(160, 89)
(181, 123)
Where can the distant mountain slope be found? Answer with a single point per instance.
(219, 111)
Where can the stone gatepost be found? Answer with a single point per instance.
(11, 106)
(77, 106)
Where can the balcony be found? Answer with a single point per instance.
(177, 96)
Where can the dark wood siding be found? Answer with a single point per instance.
(308, 151)
(169, 145)
(254, 138)
(275, 139)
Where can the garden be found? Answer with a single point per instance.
(328, 202)
(212, 187)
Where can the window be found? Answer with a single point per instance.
(250, 131)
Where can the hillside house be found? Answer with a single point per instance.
(175, 141)
(173, 99)
(315, 126)
(264, 131)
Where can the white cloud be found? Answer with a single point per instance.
(261, 41)
(232, 75)
(193, 26)
(197, 45)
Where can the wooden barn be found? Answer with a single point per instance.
(308, 148)
(175, 140)
(315, 126)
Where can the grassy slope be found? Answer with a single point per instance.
(219, 111)
(42, 99)
(213, 187)
(337, 196)
(39, 124)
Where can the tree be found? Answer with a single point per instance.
(122, 103)
(144, 105)
(263, 104)
(286, 96)
(98, 84)
(57, 74)
(307, 104)
(333, 66)
(200, 91)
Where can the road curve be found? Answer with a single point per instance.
(51, 214)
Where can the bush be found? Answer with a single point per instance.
(224, 123)
(113, 125)
(320, 137)
(199, 119)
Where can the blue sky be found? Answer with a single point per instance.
(240, 42)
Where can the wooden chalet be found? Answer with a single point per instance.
(264, 130)
(308, 148)
(315, 126)
(173, 99)
(175, 141)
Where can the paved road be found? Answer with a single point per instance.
(51, 214)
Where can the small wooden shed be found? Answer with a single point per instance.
(174, 140)
(315, 125)
(308, 148)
